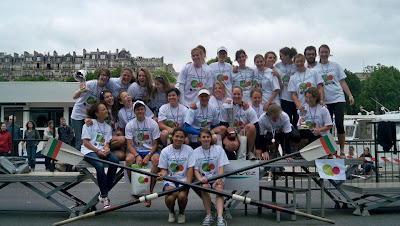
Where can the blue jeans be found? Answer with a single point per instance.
(31, 156)
(368, 166)
(104, 181)
(77, 125)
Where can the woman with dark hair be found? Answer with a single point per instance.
(316, 121)
(210, 161)
(126, 113)
(194, 77)
(142, 88)
(334, 84)
(176, 161)
(31, 146)
(49, 132)
(270, 60)
(116, 85)
(159, 95)
(244, 76)
(287, 69)
(171, 116)
(85, 99)
(5, 141)
(96, 144)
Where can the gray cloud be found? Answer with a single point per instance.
(358, 32)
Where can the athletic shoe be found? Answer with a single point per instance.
(100, 198)
(251, 156)
(147, 204)
(171, 217)
(208, 220)
(269, 179)
(181, 218)
(221, 222)
(106, 203)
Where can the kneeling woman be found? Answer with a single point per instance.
(96, 141)
(177, 161)
(317, 119)
(210, 162)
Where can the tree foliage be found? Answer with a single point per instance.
(355, 86)
(213, 60)
(170, 77)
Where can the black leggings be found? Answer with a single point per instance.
(291, 110)
(338, 110)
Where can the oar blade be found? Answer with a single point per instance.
(323, 146)
(61, 151)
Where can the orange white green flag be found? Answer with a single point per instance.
(331, 169)
(323, 146)
(61, 151)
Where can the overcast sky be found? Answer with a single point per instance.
(358, 32)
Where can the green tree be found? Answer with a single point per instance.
(116, 73)
(382, 85)
(2, 79)
(170, 77)
(213, 60)
(355, 86)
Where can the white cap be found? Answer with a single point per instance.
(138, 102)
(222, 48)
(202, 91)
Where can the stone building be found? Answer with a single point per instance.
(55, 67)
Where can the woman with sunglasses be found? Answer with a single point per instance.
(159, 96)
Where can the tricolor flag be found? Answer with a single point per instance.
(323, 146)
(331, 169)
(61, 151)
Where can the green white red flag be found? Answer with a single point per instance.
(323, 146)
(61, 151)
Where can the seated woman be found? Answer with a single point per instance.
(210, 161)
(220, 95)
(96, 144)
(126, 113)
(141, 136)
(316, 120)
(275, 129)
(256, 98)
(245, 122)
(171, 115)
(177, 161)
(368, 165)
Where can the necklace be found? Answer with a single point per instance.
(128, 118)
(205, 117)
(176, 124)
(221, 72)
(327, 68)
(239, 123)
(141, 136)
(102, 141)
(199, 76)
(272, 130)
(177, 159)
(243, 82)
(207, 168)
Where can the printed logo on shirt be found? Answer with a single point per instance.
(311, 125)
(257, 84)
(196, 83)
(304, 86)
(176, 168)
(207, 167)
(172, 124)
(328, 79)
(221, 77)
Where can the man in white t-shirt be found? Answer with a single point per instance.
(142, 135)
(245, 122)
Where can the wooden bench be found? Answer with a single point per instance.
(385, 193)
(288, 190)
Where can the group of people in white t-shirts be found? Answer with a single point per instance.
(141, 119)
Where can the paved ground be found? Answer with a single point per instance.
(21, 206)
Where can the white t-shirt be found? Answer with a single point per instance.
(177, 161)
(111, 122)
(86, 99)
(222, 72)
(241, 117)
(136, 91)
(115, 86)
(142, 133)
(193, 79)
(331, 73)
(172, 117)
(259, 110)
(158, 101)
(217, 103)
(202, 117)
(286, 72)
(209, 161)
(300, 82)
(317, 117)
(126, 115)
(244, 79)
(281, 126)
(267, 83)
(99, 135)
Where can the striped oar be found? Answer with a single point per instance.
(60, 156)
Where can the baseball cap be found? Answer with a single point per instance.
(138, 103)
(222, 48)
(204, 91)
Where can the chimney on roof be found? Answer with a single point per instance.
(54, 53)
(15, 55)
(84, 52)
(35, 53)
(74, 54)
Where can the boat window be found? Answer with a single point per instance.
(349, 131)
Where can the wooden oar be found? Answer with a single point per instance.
(56, 148)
